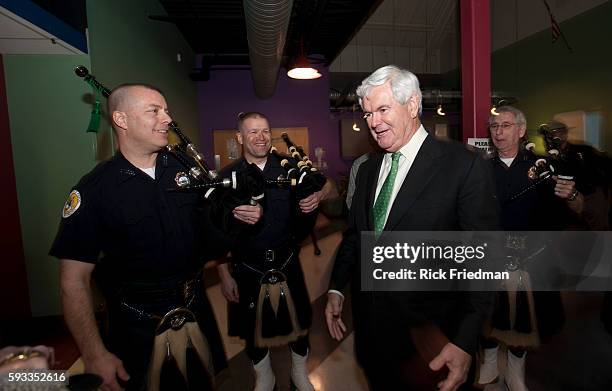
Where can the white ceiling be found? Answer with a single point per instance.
(423, 36)
(18, 36)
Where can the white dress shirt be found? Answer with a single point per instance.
(409, 152)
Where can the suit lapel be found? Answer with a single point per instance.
(371, 181)
(424, 168)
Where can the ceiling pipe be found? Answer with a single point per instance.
(338, 98)
(266, 24)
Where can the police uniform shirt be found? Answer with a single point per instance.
(130, 225)
(518, 214)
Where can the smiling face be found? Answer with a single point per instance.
(391, 123)
(506, 134)
(141, 120)
(256, 138)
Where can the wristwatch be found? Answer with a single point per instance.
(573, 196)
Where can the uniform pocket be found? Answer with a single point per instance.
(140, 229)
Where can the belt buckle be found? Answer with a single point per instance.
(269, 257)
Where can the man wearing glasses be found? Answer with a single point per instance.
(549, 206)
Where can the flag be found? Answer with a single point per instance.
(555, 29)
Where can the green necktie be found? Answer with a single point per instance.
(382, 202)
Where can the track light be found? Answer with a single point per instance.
(303, 70)
(356, 128)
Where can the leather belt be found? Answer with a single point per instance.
(179, 289)
(268, 257)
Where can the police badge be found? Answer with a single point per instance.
(72, 204)
(181, 179)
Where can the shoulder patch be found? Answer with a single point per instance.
(72, 204)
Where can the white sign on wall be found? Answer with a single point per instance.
(483, 143)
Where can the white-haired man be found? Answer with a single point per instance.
(418, 183)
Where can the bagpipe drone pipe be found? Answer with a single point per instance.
(308, 179)
(305, 181)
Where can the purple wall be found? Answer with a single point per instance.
(295, 103)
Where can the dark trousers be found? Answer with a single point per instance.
(386, 343)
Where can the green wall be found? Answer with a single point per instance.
(49, 112)
(127, 47)
(51, 150)
(548, 79)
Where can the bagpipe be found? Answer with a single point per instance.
(306, 178)
(580, 163)
(555, 163)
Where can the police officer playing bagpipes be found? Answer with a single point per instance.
(534, 194)
(268, 300)
(145, 247)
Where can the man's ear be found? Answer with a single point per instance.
(120, 119)
(522, 130)
(239, 137)
(413, 105)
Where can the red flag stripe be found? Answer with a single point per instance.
(554, 28)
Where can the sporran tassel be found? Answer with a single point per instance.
(521, 313)
(268, 317)
(501, 314)
(198, 376)
(170, 377)
(268, 308)
(180, 357)
(523, 319)
(283, 318)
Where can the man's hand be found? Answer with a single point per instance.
(458, 363)
(109, 367)
(229, 288)
(333, 310)
(311, 202)
(564, 188)
(249, 214)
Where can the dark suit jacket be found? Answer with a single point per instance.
(447, 188)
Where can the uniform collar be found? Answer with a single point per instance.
(126, 170)
(522, 156)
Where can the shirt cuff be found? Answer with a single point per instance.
(336, 292)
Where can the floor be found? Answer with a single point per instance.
(579, 358)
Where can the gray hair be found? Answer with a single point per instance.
(519, 116)
(404, 84)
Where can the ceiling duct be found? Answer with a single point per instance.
(266, 25)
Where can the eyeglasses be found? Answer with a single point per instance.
(504, 126)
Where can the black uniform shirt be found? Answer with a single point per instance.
(130, 225)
